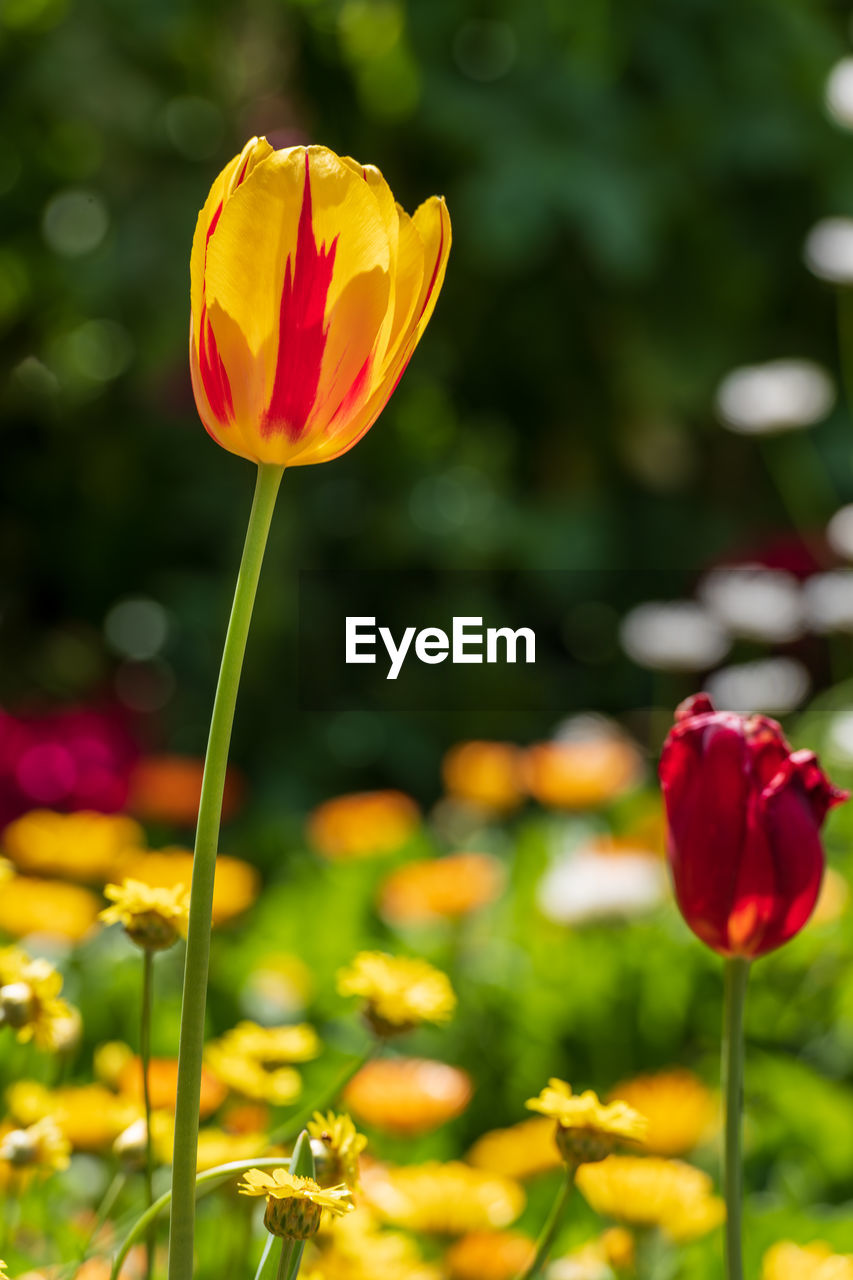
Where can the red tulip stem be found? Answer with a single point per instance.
(736, 979)
(182, 1223)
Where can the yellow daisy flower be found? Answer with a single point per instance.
(153, 918)
(41, 1148)
(357, 1248)
(680, 1109)
(48, 907)
(653, 1192)
(817, 1261)
(29, 1000)
(587, 1130)
(84, 846)
(90, 1116)
(400, 992)
(236, 884)
(294, 1204)
(251, 1079)
(443, 1199)
(341, 1145)
(521, 1151)
(273, 1046)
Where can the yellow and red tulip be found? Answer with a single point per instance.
(310, 290)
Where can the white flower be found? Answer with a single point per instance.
(781, 395)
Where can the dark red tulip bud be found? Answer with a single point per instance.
(744, 814)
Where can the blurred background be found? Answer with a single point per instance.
(635, 375)
(634, 364)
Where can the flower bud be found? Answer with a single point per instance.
(17, 1004)
(20, 1148)
(131, 1146)
(293, 1219)
(744, 813)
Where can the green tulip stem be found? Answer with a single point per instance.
(203, 1183)
(145, 1062)
(736, 979)
(182, 1223)
(552, 1226)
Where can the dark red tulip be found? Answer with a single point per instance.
(744, 814)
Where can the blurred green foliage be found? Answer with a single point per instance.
(630, 189)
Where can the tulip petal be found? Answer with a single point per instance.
(234, 173)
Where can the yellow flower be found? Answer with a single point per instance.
(365, 824)
(215, 1145)
(487, 775)
(342, 1145)
(294, 1204)
(272, 1046)
(29, 1000)
(76, 846)
(310, 289)
(817, 1261)
(442, 1199)
(681, 1110)
(235, 887)
(110, 1060)
(521, 1151)
(441, 888)
(356, 1248)
(400, 992)
(587, 1130)
(408, 1096)
(90, 1116)
(41, 1148)
(47, 907)
(250, 1078)
(153, 918)
(489, 1255)
(652, 1192)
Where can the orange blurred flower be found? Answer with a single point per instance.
(75, 846)
(489, 1255)
(163, 1085)
(581, 774)
(166, 788)
(408, 1096)
(521, 1151)
(49, 907)
(235, 888)
(680, 1109)
(363, 825)
(310, 289)
(487, 775)
(423, 891)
